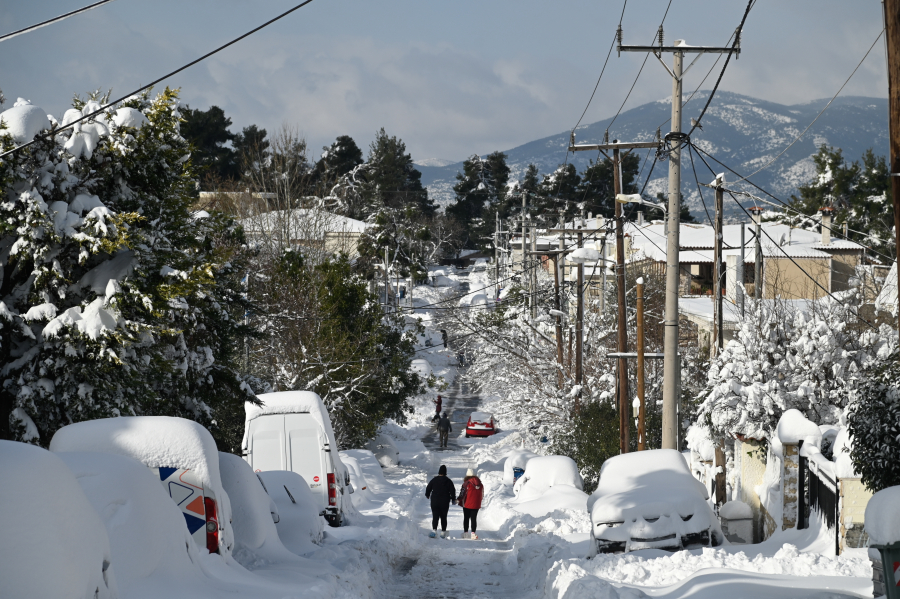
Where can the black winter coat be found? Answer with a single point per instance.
(441, 491)
(444, 424)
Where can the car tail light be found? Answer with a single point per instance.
(212, 525)
(332, 490)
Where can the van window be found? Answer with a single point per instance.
(306, 456)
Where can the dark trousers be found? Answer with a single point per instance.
(444, 437)
(439, 512)
(470, 514)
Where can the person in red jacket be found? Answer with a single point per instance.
(470, 496)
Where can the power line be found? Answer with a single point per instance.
(152, 83)
(597, 85)
(697, 181)
(796, 139)
(8, 36)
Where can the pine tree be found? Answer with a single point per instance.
(480, 190)
(207, 131)
(597, 188)
(338, 160)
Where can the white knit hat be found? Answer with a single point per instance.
(470, 472)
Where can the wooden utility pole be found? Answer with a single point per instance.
(560, 257)
(892, 38)
(675, 140)
(642, 439)
(757, 211)
(623, 402)
(717, 269)
(497, 255)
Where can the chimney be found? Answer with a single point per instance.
(756, 211)
(826, 224)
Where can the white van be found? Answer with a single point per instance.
(291, 431)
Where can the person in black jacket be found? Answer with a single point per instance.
(442, 493)
(444, 429)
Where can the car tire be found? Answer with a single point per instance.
(467, 435)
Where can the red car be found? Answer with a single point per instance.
(480, 424)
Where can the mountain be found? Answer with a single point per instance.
(741, 131)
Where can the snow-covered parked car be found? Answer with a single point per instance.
(299, 524)
(480, 424)
(384, 449)
(53, 542)
(291, 430)
(649, 500)
(514, 465)
(549, 483)
(180, 452)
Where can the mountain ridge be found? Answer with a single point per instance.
(742, 131)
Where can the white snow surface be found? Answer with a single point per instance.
(883, 517)
(794, 427)
(545, 472)
(300, 524)
(53, 543)
(23, 121)
(517, 458)
(735, 509)
(129, 117)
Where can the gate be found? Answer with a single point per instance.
(818, 497)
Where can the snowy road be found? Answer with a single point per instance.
(455, 567)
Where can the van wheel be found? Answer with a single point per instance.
(335, 521)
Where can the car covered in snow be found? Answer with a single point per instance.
(180, 452)
(291, 430)
(649, 500)
(299, 525)
(384, 449)
(480, 424)
(549, 483)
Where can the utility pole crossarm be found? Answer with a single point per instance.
(614, 146)
(683, 49)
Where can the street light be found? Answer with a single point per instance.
(635, 198)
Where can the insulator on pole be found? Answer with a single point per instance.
(660, 36)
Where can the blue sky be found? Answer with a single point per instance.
(450, 78)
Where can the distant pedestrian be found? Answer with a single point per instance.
(470, 495)
(444, 337)
(444, 429)
(442, 493)
(437, 411)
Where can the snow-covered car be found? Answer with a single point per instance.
(384, 449)
(649, 500)
(180, 452)
(549, 483)
(299, 524)
(53, 542)
(514, 465)
(480, 424)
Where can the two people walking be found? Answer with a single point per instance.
(442, 493)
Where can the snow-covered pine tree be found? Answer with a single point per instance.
(115, 299)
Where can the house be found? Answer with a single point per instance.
(307, 227)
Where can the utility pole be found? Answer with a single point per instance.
(675, 139)
(534, 275)
(497, 255)
(556, 276)
(739, 276)
(524, 233)
(621, 317)
(579, 324)
(387, 279)
(621, 321)
(640, 365)
(756, 211)
(892, 39)
(603, 274)
(717, 268)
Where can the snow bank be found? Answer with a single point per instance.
(300, 525)
(699, 442)
(53, 543)
(23, 121)
(255, 537)
(545, 472)
(421, 367)
(363, 497)
(883, 517)
(135, 507)
(794, 427)
(517, 458)
(156, 442)
(843, 445)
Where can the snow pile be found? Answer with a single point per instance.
(517, 458)
(735, 510)
(883, 517)
(255, 537)
(843, 445)
(649, 495)
(794, 427)
(652, 569)
(299, 525)
(384, 450)
(584, 255)
(129, 117)
(156, 442)
(544, 472)
(23, 121)
(363, 497)
(53, 543)
(421, 367)
(135, 507)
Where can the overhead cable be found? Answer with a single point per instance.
(13, 34)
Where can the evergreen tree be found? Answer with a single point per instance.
(559, 190)
(337, 161)
(207, 131)
(597, 186)
(115, 299)
(250, 142)
(391, 180)
(480, 190)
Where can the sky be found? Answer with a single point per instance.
(450, 79)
